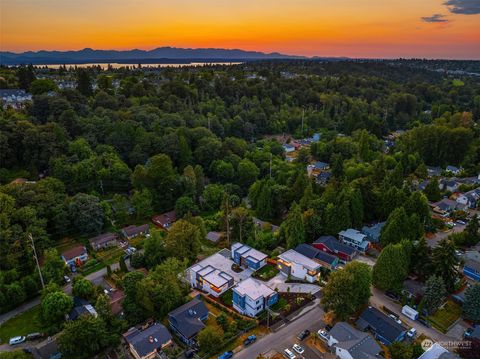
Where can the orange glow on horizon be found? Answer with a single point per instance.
(355, 28)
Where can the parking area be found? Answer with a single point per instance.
(278, 282)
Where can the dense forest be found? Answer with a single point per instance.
(203, 141)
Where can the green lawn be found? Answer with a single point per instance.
(446, 316)
(17, 354)
(23, 324)
(266, 272)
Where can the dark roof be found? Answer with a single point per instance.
(134, 230)
(314, 253)
(186, 319)
(10, 92)
(380, 323)
(214, 236)
(333, 244)
(74, 252)
(165, 219)
(146, 341)
(80, 307)
(360, 345)
(48, 349)
(103, 238)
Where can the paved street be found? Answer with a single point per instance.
(286, 337)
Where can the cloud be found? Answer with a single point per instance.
(465, 7)
(435, 18)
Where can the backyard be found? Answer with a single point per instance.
(266, 272)
(446, 316)
(22, 324)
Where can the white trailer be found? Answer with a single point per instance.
(409, 312)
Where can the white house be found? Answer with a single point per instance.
(470, 198)
(291, 263)
(436, 351)
(355, 239)
(250, 297)
(453, 169)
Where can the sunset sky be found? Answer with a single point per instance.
(355, 28)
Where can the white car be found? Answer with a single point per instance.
(298, 348)
(323, 334)
(16, 340)
(289, 354)
(66, 279)
(412, 332)
(395, 318)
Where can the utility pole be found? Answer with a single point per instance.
(36, 259)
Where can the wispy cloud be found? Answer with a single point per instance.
(435, 18)
(465, 7)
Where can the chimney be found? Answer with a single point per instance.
(150, 339)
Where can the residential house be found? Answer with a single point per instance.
(48, 349)
(324, 259)
(471, 268)
(133, 231)
(446, 206)
(14, 98)
(383, 327)
(75, 256)
(145, 344)
(188, 320)
(452, 169)
(348, 343)
(355, 239)
(323, 178)
(422, 185)
(103, 241)
(246, 256)
(288, 148)
(214, 236)
(296, 265)
(373, 232)
(434, 171)
(436, 351)
(321, 166)
(207, 277)
(81, 307)
(262, 225)
(331, 245)
(250, 297)
(470, 198)
(449, 184)
(165, 220)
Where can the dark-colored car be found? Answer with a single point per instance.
(303, 334)
(226, 355)
(392, 295)
(250, 340)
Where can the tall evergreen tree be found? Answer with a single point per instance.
(444, 263)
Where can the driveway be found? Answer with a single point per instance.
(278, 282)
(286, 337)
(437, 237)
(379, 299)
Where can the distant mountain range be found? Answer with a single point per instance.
(159, 55)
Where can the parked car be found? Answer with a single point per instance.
(303, 334)
(461, 222)
(298, 348)
(73, 269)
(33, 336)
(394, 317)
(424, 322)
(323, 334)
(226, 355)
(468, 333)
(66, 278)
(392, 295)
(250, 340)
(411, 333)
(16, 340)
(289, 354)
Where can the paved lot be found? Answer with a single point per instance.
(286, 337)
(432, 242)
(278, 282)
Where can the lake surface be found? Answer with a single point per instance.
(119, 65)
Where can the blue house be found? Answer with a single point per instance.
(250, 297)
(188, 320)
(384, 328)
(471, 269)
(373, 232)
(248, 257)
